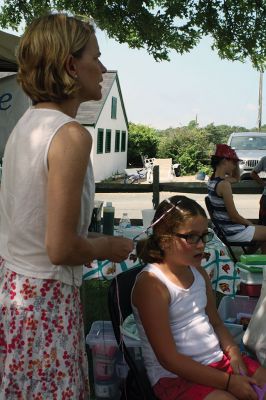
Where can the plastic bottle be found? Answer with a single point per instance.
(124, 224)
(108, 218)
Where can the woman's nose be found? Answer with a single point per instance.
(103, 68)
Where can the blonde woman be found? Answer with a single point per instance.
(46, 202)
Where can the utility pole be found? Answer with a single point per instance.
(260, 101)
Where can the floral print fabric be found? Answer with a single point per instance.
(42, 347)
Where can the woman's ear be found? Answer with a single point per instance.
(71, 66)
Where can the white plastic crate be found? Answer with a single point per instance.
(250, 278)
(229, 310)
(109, 366)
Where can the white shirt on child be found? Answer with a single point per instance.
(193, 334)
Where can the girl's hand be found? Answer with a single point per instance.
(236, 360)
(238, 365)
(240, 387)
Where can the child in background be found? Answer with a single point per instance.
(261, 167)
(187, 350)
(225, 164)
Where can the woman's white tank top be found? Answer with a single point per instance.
(23, 198)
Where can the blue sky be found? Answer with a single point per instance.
(170, 94)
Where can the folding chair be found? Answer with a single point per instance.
(137, 385)
(246, 246)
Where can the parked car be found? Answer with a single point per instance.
(250, 148)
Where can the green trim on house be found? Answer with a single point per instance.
(100, 141)
(123, 140)
(117, 141)
(108, 140)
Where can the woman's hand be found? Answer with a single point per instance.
(116, 249)
(240, 387)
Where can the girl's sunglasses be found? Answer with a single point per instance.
(191, 238)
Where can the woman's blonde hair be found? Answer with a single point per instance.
(42, 55)
(171, 214)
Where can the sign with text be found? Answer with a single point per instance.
(13, 103)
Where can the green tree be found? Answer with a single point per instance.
(142, 141)
(189, 146)
(237, 28)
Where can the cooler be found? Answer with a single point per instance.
(109, 366)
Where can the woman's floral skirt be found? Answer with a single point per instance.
(42, 347)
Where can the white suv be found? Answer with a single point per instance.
(250, 148)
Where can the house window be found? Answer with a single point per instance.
(117, 141)
(123, 141)
(108, 141)
(100, 141)
(114, 108)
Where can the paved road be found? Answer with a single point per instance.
(132, 203)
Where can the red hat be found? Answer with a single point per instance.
(225, 151)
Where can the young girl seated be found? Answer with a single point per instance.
(188, 352)
(225, 164)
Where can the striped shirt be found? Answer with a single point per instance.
(220, 213)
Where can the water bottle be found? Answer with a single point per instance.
(108, 218)
(124, 224)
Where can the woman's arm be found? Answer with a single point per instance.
(68, 159)
(224, 189)
(254, 175)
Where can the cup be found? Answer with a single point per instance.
(147, 217)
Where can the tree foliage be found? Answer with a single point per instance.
(238, 28)
(191, 145)
(142, 141)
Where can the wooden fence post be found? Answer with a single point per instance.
(155, 187)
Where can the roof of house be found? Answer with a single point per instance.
(89, 111)
(8, 44)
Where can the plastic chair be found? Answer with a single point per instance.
(137, 385)
(246, 246)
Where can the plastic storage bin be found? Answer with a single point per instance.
(109, 367)
(235, 310)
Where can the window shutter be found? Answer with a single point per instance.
(117, 141)
(114, 108)
(108, 141)
(123, 141)
(100, 141)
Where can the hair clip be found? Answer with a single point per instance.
(159, 219)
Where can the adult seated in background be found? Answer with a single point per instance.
(225, 164)
(261, 167)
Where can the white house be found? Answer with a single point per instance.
(106, 119)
